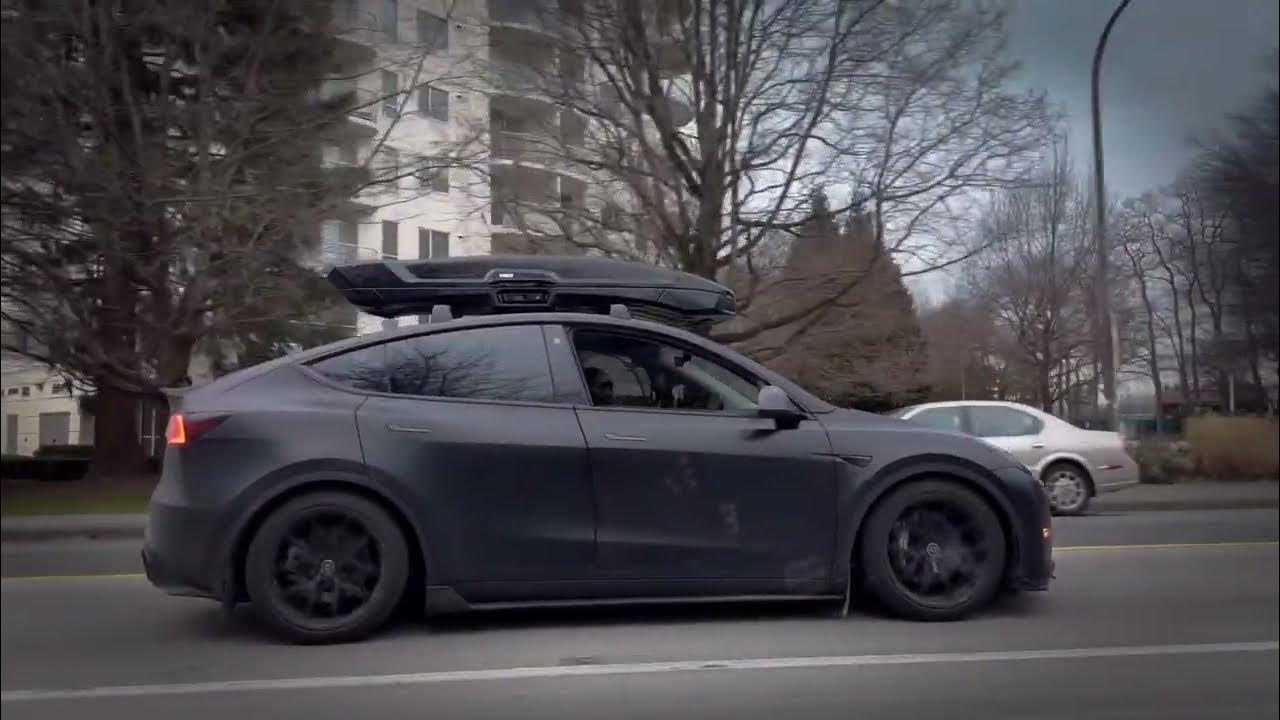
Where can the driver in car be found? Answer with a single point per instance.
(600, 386)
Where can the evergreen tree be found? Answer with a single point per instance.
(162, 182)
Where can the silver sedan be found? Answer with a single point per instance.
(1073, 464)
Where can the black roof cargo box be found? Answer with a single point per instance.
(486, 284)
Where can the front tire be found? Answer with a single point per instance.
(326, 567)
(933, 550)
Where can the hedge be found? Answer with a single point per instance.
(43, 468)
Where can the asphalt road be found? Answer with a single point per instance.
(1155, 614)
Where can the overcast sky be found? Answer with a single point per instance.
(1173, 68)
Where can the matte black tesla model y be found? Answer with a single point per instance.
(547, 447)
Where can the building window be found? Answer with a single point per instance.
(432, 244)
(11, 391)
(435, 179)
(612, 217)
(346, 13)
(389, 19)
(433, 32)
(390, 239)
(433, 102)
(390, 93)
(59, 388)
(389, 323)
(26, 391)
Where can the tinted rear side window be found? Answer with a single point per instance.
(501, 363)
(994, 421)
(363, 369)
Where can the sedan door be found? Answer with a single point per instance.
(466, 420)
(1015, 431)
(690, 484)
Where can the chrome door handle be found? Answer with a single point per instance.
(624, 438)
(405, 429)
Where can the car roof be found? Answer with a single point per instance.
(983, 403)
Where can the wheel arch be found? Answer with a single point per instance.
(874, 490)
(1069, 458)
(287, 484)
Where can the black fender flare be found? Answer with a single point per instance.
(856, 498)
(277, 486)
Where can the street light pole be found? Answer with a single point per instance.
(1104, 326)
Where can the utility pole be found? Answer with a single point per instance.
(1104, 322)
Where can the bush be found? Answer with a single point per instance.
(78, 452)
(1234, 447)
(1161, 461)
(20, 467)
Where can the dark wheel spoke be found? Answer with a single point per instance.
(938, 552)
(328, 566)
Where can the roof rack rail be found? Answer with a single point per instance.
(441, 314)
(619, 311)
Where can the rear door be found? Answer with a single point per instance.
(690, 484)
(468, 420)
(1015, 431)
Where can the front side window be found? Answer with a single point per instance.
(994, 421)
(499, 363)
(942, 418)
(628, 371)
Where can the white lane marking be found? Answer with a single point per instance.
(558, 671)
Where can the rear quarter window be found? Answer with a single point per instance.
(362, 369)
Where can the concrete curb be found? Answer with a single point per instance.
(1120, 504)
(57, 527)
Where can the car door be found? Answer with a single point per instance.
(467, 420)
(689, 483)
(1016, 431)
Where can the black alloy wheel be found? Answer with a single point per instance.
(327, 567)
(933, 550)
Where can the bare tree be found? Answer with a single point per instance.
(1137, 238)
(1030, 279)
(704, 127)
(164, 181)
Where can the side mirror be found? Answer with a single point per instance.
(774, 404)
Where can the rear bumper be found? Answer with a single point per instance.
(1031, 562)
(175, 552)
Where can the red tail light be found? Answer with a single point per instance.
(184, 431)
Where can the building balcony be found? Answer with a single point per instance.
(533, 150)
(361, 109)
(543, 16)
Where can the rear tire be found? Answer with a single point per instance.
(326, 567)
(933, 550)
(1069, 490)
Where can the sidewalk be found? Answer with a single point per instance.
(1181, 496)
(1192, 496)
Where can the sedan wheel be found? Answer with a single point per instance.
(933, 551)
(1067, 488)
(328, 567)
